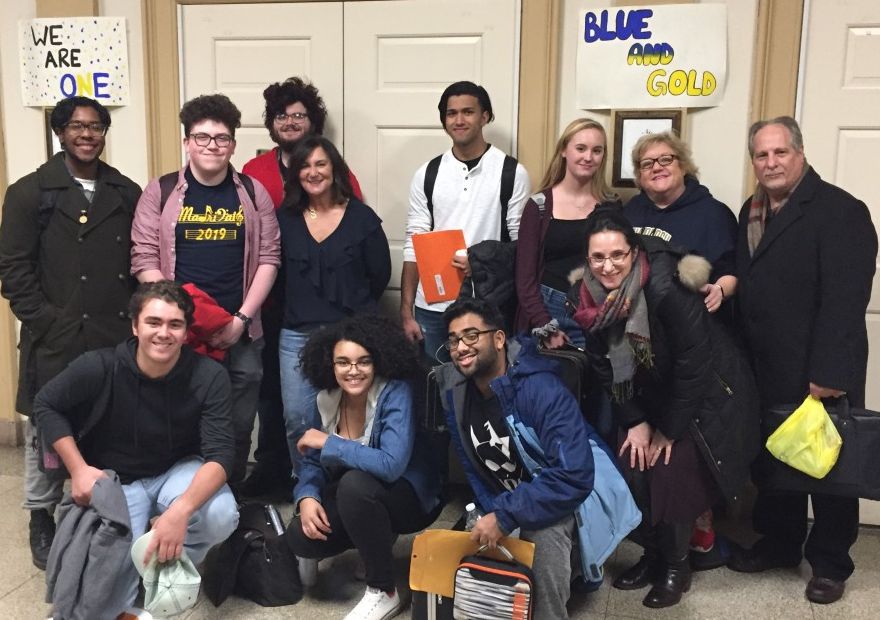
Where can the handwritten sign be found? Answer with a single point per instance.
(69, 56)
(664, 56)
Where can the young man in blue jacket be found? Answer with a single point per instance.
(492, 386)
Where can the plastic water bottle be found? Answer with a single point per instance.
(472, 516)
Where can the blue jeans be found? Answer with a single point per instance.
(210, 525)
(554, 301)
(435, 334)
(298, 395)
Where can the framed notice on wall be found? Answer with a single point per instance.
(629, 126)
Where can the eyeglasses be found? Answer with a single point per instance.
(469, 338)
(295, 116)
(80, 127)
(346, 366)
(222, 140)
(616, 258)
(663, 160)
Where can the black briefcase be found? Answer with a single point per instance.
(857, 471)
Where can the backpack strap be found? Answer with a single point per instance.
(508, 174)
(167, 182)
(430, 179)
(48, 198)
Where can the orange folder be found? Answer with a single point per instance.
(440, 280)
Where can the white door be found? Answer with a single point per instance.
(399, 57)
(840, 119)
(240, 49)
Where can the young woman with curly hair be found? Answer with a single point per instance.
(362, 479)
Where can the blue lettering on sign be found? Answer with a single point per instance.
(627, 24)
(70, 91)
(101, 83)
(87, 84)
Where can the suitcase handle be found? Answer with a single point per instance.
(501, 548)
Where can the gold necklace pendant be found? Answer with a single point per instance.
(313, 213)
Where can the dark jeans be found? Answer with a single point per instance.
(782, 519)
(364, 513)
(272, 454)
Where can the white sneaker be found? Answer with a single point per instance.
(308, 571)
(376, 605)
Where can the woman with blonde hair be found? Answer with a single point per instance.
(551, 236)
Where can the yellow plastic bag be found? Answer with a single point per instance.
(807, 440)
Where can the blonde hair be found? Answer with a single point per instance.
(556, 170)
(678, 147)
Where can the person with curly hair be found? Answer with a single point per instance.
(294, 109)
(365, 478)
(336, 264)
(217, 230)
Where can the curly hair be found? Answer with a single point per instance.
(294, 196)
(556, 170)
(293, 89)
(168, 291)
(216, 107)
(394, 356)
(63, 111)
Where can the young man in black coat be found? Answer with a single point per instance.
(64, 263)
(805, 261)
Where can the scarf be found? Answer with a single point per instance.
(623, 314)
(758, 211)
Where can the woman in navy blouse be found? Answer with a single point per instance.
(335, 264)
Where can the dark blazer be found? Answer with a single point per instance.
(804, 293)
(68, 283)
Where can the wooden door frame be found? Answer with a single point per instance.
(538, 92)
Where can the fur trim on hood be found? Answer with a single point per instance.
(693, 272)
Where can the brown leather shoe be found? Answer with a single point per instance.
(823, 590)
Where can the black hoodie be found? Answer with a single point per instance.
(146, 424)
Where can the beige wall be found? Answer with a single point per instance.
(716, 135)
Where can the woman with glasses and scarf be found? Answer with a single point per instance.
(682, 394)
(365, 476)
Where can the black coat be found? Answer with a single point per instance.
(804, 293)
(700, 382)
(68, 283)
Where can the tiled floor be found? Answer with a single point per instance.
(721, 593)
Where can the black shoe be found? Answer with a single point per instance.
(823, 590)
(674, 582)
(759, 558)
(42, 532)
(645, 572)
(716, 557)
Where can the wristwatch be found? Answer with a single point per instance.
(244, 319)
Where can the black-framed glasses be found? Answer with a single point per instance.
(469, 338)
(222, 140)
(294, 116)
(616, 258)
(663, 160)
(80, 127)
(346, 366)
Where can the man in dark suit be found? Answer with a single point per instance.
(805, 261)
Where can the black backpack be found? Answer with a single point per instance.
(508, 175)
(168, 181)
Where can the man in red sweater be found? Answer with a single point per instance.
(294, 108)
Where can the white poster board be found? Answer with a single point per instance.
(69, 56)
(661, 56)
